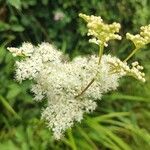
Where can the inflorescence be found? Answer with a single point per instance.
(72, 88)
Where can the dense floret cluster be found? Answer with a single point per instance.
(141, 39)
(72, 88)
(101, 31)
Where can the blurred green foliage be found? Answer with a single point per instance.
(121, 122)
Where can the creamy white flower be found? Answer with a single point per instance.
(25, 50)
(72, 88)
(122, 68)
(141, 39)
(60, 82)
(58, 15)
(101, 31)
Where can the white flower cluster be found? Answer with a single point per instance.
(26, 50)
(58, 15)
(141, 39)
(60, 82)
(123, 68)
(102, 32)
(71, 88)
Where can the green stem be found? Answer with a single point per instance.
(131, 54)
(101, 53)
(91, 82)
(8, 107)
(71, 140)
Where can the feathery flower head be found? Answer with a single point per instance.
(141, 39)
(123, 68)
(72, 88)
(101, 31)
(25, 50)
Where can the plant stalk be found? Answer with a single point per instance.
(8, 107)
(131, 54)
(91, 82)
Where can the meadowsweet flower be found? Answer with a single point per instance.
(101, 31)
(26, 50)
(65, 84)
(59, 82)
(58, 15)
(141, 39)
(124, 69)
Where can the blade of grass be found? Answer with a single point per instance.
(128, 98)
(105, 140)
(8, 107)
(110, 115)
(142, 133)
(84, 134)
(102, 139)
(71, 139)
(115, 138)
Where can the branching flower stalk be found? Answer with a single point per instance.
(139, 40)
(91, 82)
(72, 88)
(101, 53)
(131, 54)
(102, 34)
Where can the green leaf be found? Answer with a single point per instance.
(110, 115)
(8, 145)
(119, 96)
(4, 26)
(14, 90)
(2, 54)
(15, 3)
(72, 140)
(85, 135)
(17, 28)
(44, 2)
(113, 136)
(8, 107)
